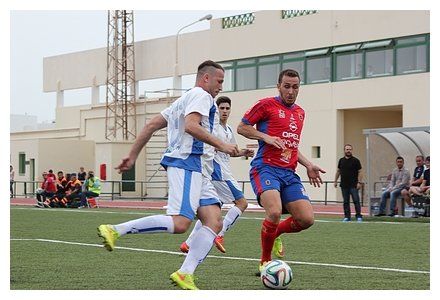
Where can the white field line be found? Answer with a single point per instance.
(95, 211)
(231, 257)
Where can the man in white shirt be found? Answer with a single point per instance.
(225, 184)
(190, 121)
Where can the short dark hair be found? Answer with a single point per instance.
(60, 172)
(428, 158)
(223, 99)
(348, 145)
(206, 65)
(399, 157)
(421, 156)
(288, 73)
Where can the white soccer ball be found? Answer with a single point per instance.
(277, 275)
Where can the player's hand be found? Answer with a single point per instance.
(230, 149)
(126, 164)
(275, 141)
(313, 171)
(336, 184)
(247, 152)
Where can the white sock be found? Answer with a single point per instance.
(200, 247)
(230, 219)
(190, 238)
(151, 224)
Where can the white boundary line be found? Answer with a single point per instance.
(231, 257)
(144, 213)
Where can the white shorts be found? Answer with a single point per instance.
(189, 190)
(228, 190)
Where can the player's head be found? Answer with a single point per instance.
(210, 76)
(400, 162)
(60, 174)
(72, 176)
(288, 86)
(44, 174)
(91, 174)
(420, 160)
(428, 161)
(224, 106)
(348, 150)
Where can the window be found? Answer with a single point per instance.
(349, 66)
(379, 63)
(411, 59)
(246, 78)
(393, 56)
(268, 75)
(129, 175)
(228, 83)
(295, 61)
(316, 151)
(318, 70)
(22, 163)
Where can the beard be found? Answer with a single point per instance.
(348, 154)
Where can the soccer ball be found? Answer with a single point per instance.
(277, 275)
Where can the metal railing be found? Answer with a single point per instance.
(154, 190)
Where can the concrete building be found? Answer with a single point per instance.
(360, 70)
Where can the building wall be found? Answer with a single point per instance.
(155, 58)
(336, 112)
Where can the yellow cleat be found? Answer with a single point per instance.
(261, 267)
(278, 249)
(220, 244)
(109, 235)
(185, 281)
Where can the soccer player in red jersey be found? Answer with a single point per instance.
(279, 122)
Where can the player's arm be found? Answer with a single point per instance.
(252, 133)
(338, 173)
(245, 152)
(313, 171)
(156, 123)
(193, 127)
(360, 178)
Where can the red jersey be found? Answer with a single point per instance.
(276, 119)
(49, 185)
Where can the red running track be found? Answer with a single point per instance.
(330, 209)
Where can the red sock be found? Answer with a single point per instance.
(288, 225)
(268, 235)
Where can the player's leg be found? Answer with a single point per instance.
(266, 186)
(357, 203)
(346, 204)
(184, 186)
(406, 197)
(383, 203)
(271, 202)
(184, 247)
(229, 192)
(210, 216)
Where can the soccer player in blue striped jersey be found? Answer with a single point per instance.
(191, 122)
(227, 187)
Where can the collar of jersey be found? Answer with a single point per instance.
(278, 98)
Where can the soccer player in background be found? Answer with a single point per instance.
(224, 182)
(279, 124)
(191, 121)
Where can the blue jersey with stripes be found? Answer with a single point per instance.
(184, 151)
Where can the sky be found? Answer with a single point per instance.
(38, 34)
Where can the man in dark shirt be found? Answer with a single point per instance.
(424, 188)
(416, 180)
(349, 168)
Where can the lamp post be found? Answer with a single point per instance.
(177, 79)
